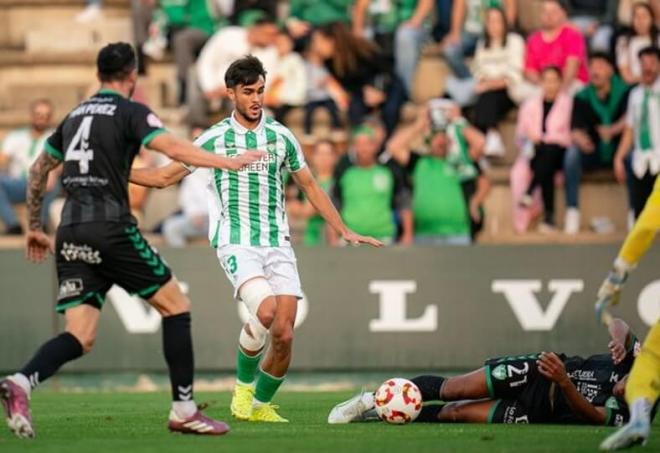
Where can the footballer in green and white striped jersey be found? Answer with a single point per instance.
(246, 207)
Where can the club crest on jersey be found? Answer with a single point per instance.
(70, 288)
(499, 372)
(380, 182)
(154, 121)
(84, 253)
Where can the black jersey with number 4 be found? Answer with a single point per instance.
(97, 142)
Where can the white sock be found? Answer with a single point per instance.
(257, 403)
(368, 399)
(641, 410)
(22, 381)
(184, 409)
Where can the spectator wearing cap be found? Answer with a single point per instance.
(371, 196)
(598, 120)
(641, 132)
(557, 43)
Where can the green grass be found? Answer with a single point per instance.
(121, 422)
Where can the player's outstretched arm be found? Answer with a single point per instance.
(38, 243)
(637, 243)
(621, 340)
(184, 151)
(326, 209)
(551, 366)
(161, 177)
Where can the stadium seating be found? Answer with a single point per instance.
(45, 53)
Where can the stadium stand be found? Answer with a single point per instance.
(44, 52)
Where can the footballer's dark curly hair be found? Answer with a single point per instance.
(115, 62)
(244, 71)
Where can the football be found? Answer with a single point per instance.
(398, 401)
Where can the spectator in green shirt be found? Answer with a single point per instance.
(323, 162)
(370, 195)
(307, 14)
(448, 187)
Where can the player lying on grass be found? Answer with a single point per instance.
(536, 388)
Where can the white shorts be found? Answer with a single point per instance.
(276, 264)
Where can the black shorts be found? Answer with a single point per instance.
(91, 257)
(521, 392)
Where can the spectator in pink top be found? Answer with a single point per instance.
(556, 44)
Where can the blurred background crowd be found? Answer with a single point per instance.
(427, 121)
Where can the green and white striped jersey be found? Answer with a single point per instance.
(246, 207)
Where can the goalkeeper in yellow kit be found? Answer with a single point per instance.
(643, 134)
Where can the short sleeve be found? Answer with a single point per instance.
(575, 44)
(144, 125)
(55, 143)
(295, 159)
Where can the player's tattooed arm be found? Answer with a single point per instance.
(161, 177)
(37, 180)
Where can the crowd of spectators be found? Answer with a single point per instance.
(585, 85)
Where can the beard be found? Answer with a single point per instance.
(245, 112)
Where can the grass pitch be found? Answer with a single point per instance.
(122, 422)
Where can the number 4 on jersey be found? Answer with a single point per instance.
(77, 150)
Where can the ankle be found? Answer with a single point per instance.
(184, 409)
(22, 381)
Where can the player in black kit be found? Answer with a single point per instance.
(98, 243)
(535, 388)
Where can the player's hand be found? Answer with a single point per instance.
(246, 158)
(551, 366)
(355, 239)
(618, 351)
(38, 246)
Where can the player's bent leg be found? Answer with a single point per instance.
(470, 386)
(78, 338)
(466, 412)
(184, 417)
(277, 360)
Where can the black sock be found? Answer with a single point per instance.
(51, 356)
(429, 414)
(429, 386)
(177, 345)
